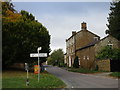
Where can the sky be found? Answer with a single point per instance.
(61, 18)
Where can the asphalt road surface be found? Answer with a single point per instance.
(78, 80)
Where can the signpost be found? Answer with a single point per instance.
(38, 55)
(27, 68)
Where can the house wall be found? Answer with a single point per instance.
(105, 41)
(65, 61)
(104, 65)
(87, 57)
(70, 51)
(84, 37)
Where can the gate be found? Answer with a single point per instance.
(115, 65)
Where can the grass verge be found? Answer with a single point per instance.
(115, 74)
(81, 70)
(17, 79)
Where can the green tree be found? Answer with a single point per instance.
(108, 53)
(114, 20)
(27, 16)
(7, 6)
(50, 61)
(56, 58)
(22, 35)
(76, 62)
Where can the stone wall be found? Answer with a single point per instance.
(103, 65)
(84, 37)
(70, 50)
(18, 66)
(87, 58)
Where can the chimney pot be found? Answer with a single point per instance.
(73, 32)
(83, 26)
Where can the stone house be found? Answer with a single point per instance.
(86, 56)
(77, 42)
(65, 58)
(107, 64)
(87, 53)
(70, 50)
(86, 45)
(107, 41)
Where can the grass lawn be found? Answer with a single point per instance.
(81, 70)
(17, 79)
(115, 74)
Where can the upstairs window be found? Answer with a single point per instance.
(95, 38)
(87, 57)
(84, 58)
(110, 44)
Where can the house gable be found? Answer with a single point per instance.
(85, 37)
(107, 41)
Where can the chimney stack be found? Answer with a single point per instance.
(83, 26)
(73, 32)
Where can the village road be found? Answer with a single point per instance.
(78, 80)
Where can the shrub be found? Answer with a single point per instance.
(96, 68)
(108, 52)
(76, 62)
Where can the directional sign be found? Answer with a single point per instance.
(38, 55)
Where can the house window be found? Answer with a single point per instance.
(87, 57)
(84, 57)
(110, 44)
(95, 38)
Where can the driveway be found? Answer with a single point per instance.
(78, 80)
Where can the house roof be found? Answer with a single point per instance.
(104, 37)
(81, 31)
(70, 37)
(107, 37)
(93, 43)
(88, 45)
(65, 53)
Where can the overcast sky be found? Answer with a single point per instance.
(61, 18)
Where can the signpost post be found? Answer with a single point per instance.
(38, 55)
(39, 48)
(26, 68)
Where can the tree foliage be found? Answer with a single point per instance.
(22, 35)
(7, 6)
(56, 58)
(114, 20)
(76, 62)
(108, 53)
